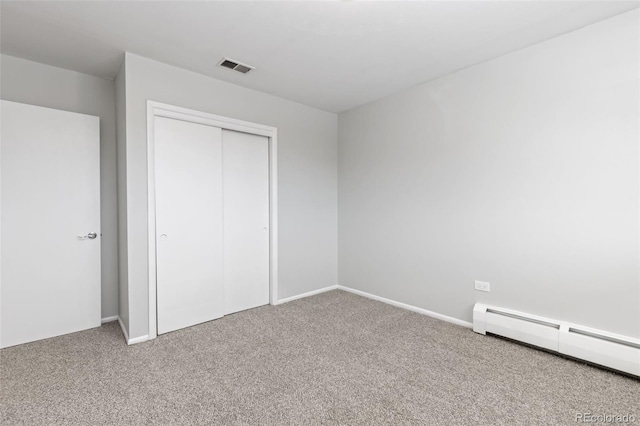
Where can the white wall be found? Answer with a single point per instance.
(307, 174)
(43, 85)
(522, 171)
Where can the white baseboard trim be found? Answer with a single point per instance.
(109, 319)
(139, 339)
(407, 307)
(307, 294)
(126, 335)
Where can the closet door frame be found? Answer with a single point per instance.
(158, 109)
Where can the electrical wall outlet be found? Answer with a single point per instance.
(482, 286)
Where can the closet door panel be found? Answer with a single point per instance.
(246, 220)
(189, 231)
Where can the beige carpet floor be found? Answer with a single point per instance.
(334, 358)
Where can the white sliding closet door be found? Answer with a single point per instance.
(212, 222)
(189, 233)
(246, 220)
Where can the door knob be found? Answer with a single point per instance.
(90, 235)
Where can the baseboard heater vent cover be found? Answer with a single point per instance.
(600, 347)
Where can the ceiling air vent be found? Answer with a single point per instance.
(235, 65)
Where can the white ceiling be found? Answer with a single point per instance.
(330, 55)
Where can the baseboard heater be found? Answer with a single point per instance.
(614, 351)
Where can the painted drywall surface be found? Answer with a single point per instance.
(307, 174)
(121, 149)
(43, 85)
(522, 171)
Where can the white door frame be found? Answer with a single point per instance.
(157, 109)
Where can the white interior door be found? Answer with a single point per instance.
(189, 234)
(246, 220)
(50, 194)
